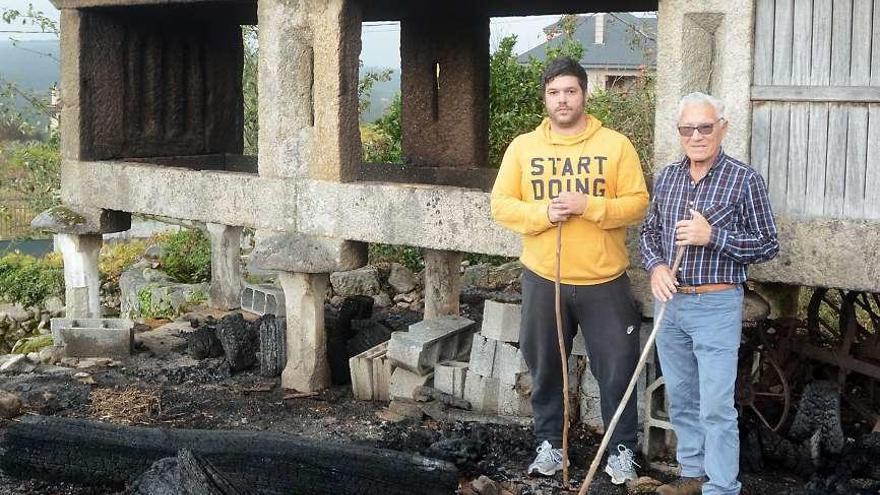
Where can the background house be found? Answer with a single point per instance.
(617, 47)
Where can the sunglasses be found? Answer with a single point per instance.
(704, 129)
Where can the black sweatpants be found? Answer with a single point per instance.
(610, 322)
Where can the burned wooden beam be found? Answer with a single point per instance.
(91, 452)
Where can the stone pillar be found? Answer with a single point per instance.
(445, 91)
(225, 290)
(309, 53)
(82, 282)
(442, 282)
(307, 369)
(704, 46)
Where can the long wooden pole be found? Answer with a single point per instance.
(632, 385)
(563, 357)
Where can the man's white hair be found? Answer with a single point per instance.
(702, 99)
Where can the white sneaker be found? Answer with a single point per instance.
(621, 467)
(548, 462)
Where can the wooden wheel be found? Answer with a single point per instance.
(762, 389)
(823, 317)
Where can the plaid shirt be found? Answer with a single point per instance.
(733, 198)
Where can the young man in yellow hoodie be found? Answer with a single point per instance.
(572, 173)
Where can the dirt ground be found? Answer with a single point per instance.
(162, 387)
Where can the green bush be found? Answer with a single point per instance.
(29, 281)
(33, 171)
(408, 256)
(186, 256)
(631, 113)
(381, 139)
(118, 256)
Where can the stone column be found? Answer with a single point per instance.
(445, 91)
(225, 289)
(82, 282)
(442, 282)
(309, 53)
(307, 369)
(704, 46)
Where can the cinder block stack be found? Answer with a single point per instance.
(497, 378)
(415, 354)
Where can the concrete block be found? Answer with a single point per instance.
(449, 377)
(93, 337)
(501, 321)
(579, 345)
(482, 358)
(511, 402)
(659, 437)
(404, 383)
(56, 324)
(509, 364)
(482, 392)
(590, 407)
(430, 342)
(263, 299)
(371, 373)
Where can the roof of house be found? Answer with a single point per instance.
(629, 42)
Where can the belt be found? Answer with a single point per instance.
(700, 289)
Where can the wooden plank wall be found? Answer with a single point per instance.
(816, 106)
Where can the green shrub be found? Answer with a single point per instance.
(381, 139)
(186, 256)
(631, 113)
(116, 257)
(33, 170)
(153, 309)
(408, 256)
(29, 281)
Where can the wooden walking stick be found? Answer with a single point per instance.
(563, 357)
(649, 345)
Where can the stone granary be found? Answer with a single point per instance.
(152, 123)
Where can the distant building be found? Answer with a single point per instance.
(617, 47)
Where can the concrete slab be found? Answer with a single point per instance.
(430, 342)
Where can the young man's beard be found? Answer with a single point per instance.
(571, 117)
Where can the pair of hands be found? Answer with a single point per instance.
(565, 206)
(693, 232)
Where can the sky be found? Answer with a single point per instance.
(380, 40)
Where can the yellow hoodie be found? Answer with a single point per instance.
(599, 162)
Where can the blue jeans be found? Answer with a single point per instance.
(698, 343)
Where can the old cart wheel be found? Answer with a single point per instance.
(762, 389)
(823, 317)
(860, 330)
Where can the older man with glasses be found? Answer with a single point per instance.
(717, 207)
